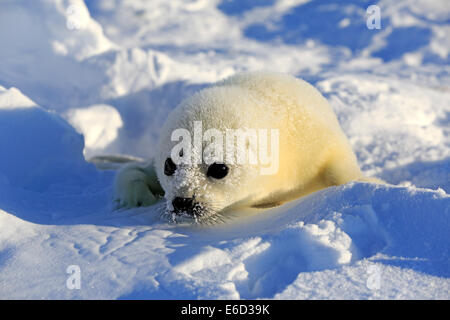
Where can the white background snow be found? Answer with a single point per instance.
(111, 71)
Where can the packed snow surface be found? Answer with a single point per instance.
(81, 79)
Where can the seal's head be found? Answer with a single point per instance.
(201, 192)
(199, 178)
(254, 140)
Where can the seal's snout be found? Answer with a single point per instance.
(189, 210)
(183, 205)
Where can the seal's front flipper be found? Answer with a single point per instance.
(136, 184)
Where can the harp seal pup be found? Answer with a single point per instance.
(313, 152)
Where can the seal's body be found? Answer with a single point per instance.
(312, 151)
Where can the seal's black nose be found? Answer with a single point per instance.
(183, 204)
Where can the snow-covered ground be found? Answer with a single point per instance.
(111, 71)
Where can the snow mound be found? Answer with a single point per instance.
(39, 148)
(369, 109)
(354, 241)
(98, 123)
(80, 37)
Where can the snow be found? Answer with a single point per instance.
(98, 123)
(81, 79)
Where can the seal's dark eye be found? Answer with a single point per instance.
(169, 167)
(217, 170)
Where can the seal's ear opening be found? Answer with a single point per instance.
(217, 170)
(169, 167)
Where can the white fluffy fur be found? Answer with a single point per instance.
(314, 152)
